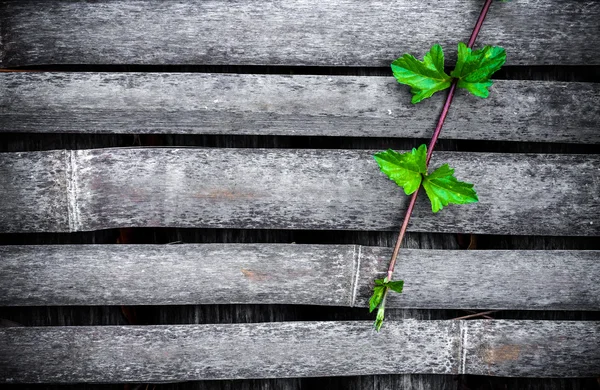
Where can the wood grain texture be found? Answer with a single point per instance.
(296, 189)
(507, 348)
(231, 313)
(297, 349)
(35, 184)
(290, 105)
(300, 32)
(338, 275)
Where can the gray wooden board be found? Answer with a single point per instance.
(298, 349)
(299, 32)
(291, 105)
(507, 348)
(35, 184)
(339, 275)
(290, 189)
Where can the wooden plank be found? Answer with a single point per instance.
(300, 32)
(507, 348)
(338, 275)
(35, 183)
(493, 279)
(297, 349)
(298, 189)
(290, 105)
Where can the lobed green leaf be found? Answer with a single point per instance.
(443, 188)
(406, 169)
(424, 77)
(474, 68)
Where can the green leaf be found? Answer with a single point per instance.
(380, 317)
(474, 68)
(381, 282)
(405, 169)
(443, 188)
(396, 285)
(424, 77)
(378, 292)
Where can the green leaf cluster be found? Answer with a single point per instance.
(473, 71)
(409, 171)
(378, 298)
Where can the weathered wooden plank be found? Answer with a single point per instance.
(339, 275)
(297, 349)
(516, 279)
(507, 348)
(300, 32)
(299, 189)
(267, 350)
(177, 274)
(36, 184)
(290, 105)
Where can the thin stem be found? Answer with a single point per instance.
(440, 124)
(411, 206)
(479, 23)
(434, 138)
(475, 315)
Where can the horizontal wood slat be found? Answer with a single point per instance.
(290, 105)
(289, 189)
(298, 349)
(340, 275)
(299, 32)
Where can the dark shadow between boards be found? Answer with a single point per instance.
(251, 313)
(25, 142)
(568, 73)
(175, 236)
(462, 382)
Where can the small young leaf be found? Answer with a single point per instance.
(380, 282)
(474, 68)
(424, 77)
(396, 285)
(379, 318)
(378, 292)
(443, 188)
(405, 169)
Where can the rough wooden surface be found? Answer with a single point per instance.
(290, 105)
(35, 184)
(298, 349)
(291, 189)
(338, 275)
(299, 32)
(231, 313)
(507, 348)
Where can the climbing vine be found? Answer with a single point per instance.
(410, 170)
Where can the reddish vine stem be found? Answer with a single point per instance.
(434, 138)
